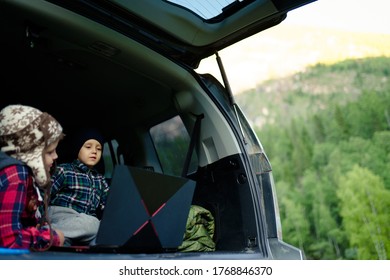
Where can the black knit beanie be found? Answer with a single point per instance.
(80, 137)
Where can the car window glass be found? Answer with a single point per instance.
(207, 8)
(110, 159)
(171, 141)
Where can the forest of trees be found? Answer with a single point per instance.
(326, 132)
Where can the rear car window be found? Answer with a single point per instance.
(172, 142)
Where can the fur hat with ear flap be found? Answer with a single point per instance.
(24, 134)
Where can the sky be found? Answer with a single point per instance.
(349, 15)
(271, 54)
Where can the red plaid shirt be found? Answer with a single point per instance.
(17, 221)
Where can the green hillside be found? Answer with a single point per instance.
(326, 131)
(314, 90)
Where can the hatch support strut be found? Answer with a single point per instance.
(229, 92)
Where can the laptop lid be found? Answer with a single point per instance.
(145, 211)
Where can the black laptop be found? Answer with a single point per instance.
(145, 211)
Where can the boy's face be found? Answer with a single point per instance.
(90, 153)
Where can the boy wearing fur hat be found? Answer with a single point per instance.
(28, 141)
(79, 191)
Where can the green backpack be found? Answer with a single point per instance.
(200, 228)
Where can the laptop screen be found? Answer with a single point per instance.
(145, 211)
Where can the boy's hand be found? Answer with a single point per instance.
(32, 205)
(61, 236)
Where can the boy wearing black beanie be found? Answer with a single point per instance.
(79, 191)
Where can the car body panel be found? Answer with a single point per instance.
(180, 33)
